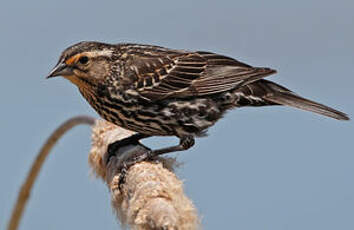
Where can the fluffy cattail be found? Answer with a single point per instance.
(151, 196)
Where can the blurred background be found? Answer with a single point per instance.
(259, 168)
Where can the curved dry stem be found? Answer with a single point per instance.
(25, 190)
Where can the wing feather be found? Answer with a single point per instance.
(162, 73)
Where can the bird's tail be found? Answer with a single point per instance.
(264, 92)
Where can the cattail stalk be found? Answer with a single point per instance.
(151, 197)
(26, 187)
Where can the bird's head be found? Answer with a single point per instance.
(85, 64)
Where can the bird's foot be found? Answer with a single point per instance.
(184, 144)
(130, 151)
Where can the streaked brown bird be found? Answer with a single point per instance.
(157, 91)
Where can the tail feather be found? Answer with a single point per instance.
(274, 94)
(290, 99)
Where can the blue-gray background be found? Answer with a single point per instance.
(260, 168)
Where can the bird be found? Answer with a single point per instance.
(158, 91)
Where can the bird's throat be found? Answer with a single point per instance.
(80, 82)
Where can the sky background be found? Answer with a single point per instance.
(260, 168)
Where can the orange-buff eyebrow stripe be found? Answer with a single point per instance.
(73, 59)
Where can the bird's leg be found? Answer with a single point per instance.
(130, 151)
(114, 147)
(185, 143)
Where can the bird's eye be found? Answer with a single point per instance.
(83, 60)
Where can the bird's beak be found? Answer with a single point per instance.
(61, 69)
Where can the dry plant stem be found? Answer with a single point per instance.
(25, 191)
(152, 196)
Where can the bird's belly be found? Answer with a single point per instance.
(170, 118)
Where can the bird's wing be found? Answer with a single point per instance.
(162, 73)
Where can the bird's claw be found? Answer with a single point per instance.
(187, 142)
